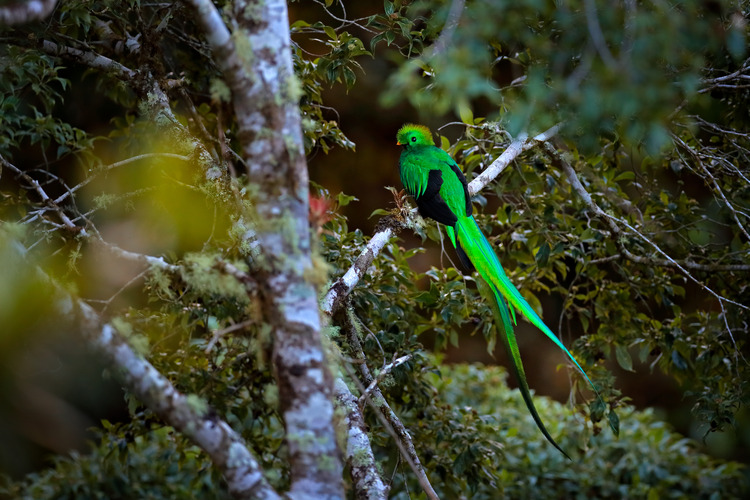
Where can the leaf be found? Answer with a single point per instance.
(464, 111)
(344, 199)
(331, 33)
(678, 361)
(614, 422)
(388, 7)
(623, 357)
(625, 176)
(542, 255)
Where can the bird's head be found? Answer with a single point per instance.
(414, 135)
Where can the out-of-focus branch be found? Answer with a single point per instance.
(367, 481)
(26, 11)
(188, 414)
(45, 199)
(451, 23)
(90, 59)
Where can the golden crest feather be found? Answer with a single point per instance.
(423, 134)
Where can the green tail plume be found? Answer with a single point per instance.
(483, 257)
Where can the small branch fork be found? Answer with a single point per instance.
(385, 414)
(383, 373)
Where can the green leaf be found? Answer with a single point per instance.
(678, 361)
(614, 422)
(628, 175)
(623, 357)
(331, 33)
(344, 199)
(464, 111)
(542, 255)
(388, 7)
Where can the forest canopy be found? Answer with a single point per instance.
(213, 286)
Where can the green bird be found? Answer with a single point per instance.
(435, 181)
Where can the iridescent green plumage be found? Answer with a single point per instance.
(439, 187)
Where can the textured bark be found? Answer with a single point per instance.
(257, 65)
(368, 484)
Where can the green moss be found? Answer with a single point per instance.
(200, 273)
(220, 91)
(317, 273)
(254, 11)
(361, 457)
(123, 327)
(197, 404)
(244, 49)
(271, 395)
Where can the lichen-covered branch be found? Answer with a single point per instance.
(345, 284)
(368, 485)
(257, 66)
(388, 418)
(514, 149)
(90, 59)
(189, 415)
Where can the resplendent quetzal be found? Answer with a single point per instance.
(435, 181)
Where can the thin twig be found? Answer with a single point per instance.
(387, 417)
(383, 373)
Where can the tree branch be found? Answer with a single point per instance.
(187, 414)
(90, 59)
(368, 485)
(264, 97)
(514, 149)
(345, 284)
(613, 222)
(388, 418)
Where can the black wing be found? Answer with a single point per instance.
(432, 205)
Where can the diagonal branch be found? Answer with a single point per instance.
(388, 418)
(367, 481)
(192, 417)
(514, 149)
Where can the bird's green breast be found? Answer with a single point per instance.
(415, 165)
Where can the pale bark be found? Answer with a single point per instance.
(257, 66)
(368, 485)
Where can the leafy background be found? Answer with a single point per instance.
(657, 138)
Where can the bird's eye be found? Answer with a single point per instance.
(413, 139)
